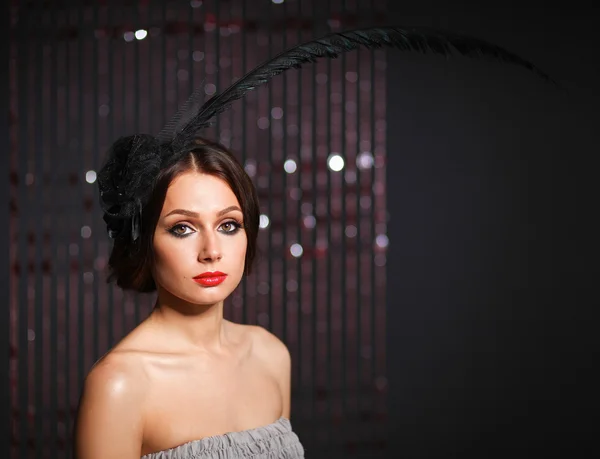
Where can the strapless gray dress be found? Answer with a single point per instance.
(274, 441)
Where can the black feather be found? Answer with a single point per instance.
(179, 119)
(421, 40)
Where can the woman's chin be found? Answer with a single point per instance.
(210, 295)
(201, 296)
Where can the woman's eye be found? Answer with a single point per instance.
(180, 230)
(230, 227)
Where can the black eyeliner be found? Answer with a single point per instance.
(171, 230)
(237, 227)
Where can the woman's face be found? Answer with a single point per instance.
(199, 241)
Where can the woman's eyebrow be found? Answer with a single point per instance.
(189, 213)
(228, 209)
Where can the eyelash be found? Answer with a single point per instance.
(236, 227)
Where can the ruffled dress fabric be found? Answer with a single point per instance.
(274, 441)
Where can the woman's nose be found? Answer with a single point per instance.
(210, 249)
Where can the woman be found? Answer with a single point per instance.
(184, 216)
(185, 373)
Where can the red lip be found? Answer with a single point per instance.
(210, 279)
(210, 274)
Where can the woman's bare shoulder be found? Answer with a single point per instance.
(119, 373)
(121, 370)
(268, 346)
(275, 356)
(110, 415)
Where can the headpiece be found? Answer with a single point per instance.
(128, 177)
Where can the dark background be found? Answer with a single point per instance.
(491, 196)
(4, 271)
(491, 338)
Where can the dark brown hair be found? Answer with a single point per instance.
(130, 263)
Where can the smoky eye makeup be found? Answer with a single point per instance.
(228, 227)
(180, 230)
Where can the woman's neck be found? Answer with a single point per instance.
(189, 326)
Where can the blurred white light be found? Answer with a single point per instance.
(128, 36)
(103, 110)
(277, 113)
(321, 78)
(141, 34)
(195, 3)
(210, 89)
(296, 250)
(182, 75)
(335, 162)
(291, 285)
(263, 182)
(197, 56)
(352, 77)
(382, 240)
(296, 194)
(263, 288)
(365, 160)
(290, 166)
(86, 232)
(310, 221)
(263, 122)
(250, 167)
(365, 202)
(351, 231)
(225, 135)
(90, 176)
(306, 208)
(380, 259)
(277, 2)
(263, 221)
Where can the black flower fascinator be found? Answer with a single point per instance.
(127, 179)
